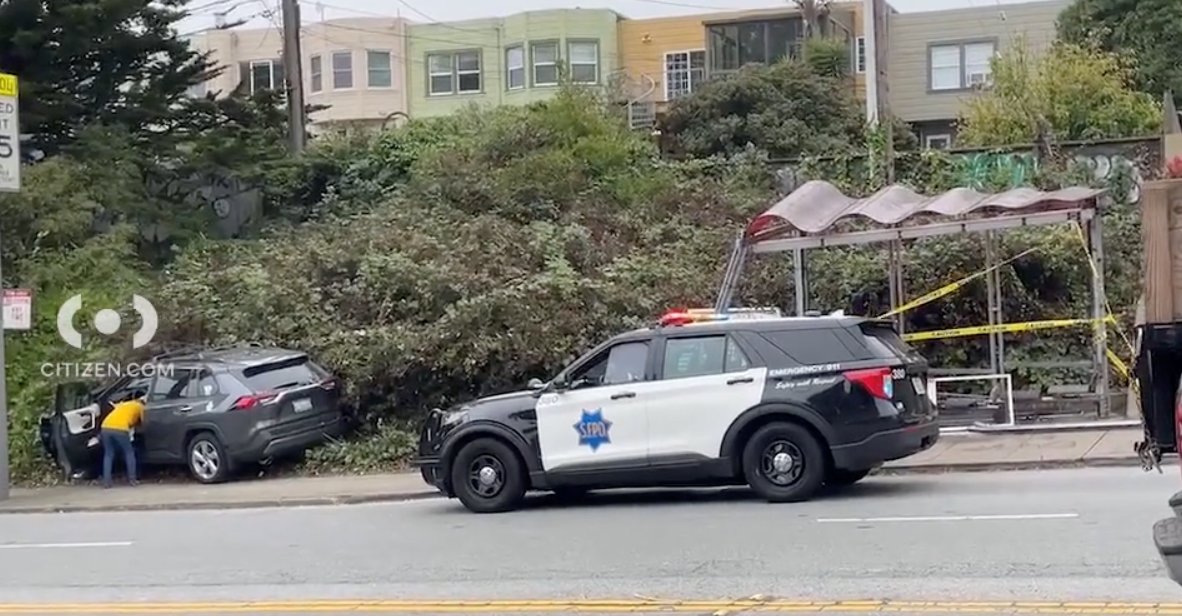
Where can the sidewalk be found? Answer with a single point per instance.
(954, 452)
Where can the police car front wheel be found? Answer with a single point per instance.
(487, 477)
(783, 462)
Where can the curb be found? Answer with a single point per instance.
(979, 467)
(216, 505)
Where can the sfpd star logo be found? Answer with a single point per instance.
(593, 429)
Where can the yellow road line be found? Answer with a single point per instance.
(597, 606)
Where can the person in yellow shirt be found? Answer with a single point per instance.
(116, 433)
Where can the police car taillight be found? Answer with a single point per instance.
(877, 381)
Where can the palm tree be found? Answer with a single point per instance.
(814, 13)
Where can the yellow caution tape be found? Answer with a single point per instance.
(1001, 328)
(953, 287)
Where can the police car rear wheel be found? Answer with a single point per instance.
(783, 462)
(487, 477)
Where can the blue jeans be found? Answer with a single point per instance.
(110, 440)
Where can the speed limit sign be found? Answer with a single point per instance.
(10, 146)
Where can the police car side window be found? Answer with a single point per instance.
(688, 357)
(623, 363)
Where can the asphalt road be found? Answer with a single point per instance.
(993, 539)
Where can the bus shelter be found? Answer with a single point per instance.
(812, 216)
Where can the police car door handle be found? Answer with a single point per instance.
(624, 394)
(742, 379)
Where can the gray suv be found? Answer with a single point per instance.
(211, 410)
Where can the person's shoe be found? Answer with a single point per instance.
(133, 483)
(106, 485)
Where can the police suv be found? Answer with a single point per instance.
(699, 399)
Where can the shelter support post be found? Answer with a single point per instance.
(1099, 312)
(895, 278)
(799, 284)
(997, 352)
(730, 278)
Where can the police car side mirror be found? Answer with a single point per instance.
(536, 384)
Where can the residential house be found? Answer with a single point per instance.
(507, 60)
(353, 67)
(936, 59)
(668, 57)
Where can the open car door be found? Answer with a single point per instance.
(70, 431)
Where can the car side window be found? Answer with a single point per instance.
(207, 385)
(173, 385)
(623, 363)
(132, 386)
(736, 359)
(698, 356)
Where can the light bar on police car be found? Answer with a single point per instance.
(678, 317)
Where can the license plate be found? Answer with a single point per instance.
(301, 405)
(918, 384)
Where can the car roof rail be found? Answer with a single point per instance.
(200, 352)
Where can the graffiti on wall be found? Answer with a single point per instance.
(1105, 162)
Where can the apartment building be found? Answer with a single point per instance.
(937, 59)
(507, 60)
(669, 57)
(353, 67)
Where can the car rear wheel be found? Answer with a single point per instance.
(207, 458)
(487, 477)
(841, 477)
(783, 462)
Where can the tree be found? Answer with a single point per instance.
(785, 109)
(814, 13)
(1151, 30)
(84, 62)
(1067, 93)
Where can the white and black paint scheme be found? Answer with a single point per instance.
(783, 405)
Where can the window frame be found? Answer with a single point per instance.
(335, 71)
(689, 70)
(962, 68)
(928, 138)
(454, 72)
(712, 50)
(479, 72)
(369, 70)
(275, 73)
(432, 74)
(316, 73)
(509, 68)
(860, 55)
(533, 63)
(571, 62)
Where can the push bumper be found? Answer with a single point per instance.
(886, 446)
(276, 441)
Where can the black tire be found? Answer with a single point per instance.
(487, 477)
(840, 477)
(211, 449)
(794, 483)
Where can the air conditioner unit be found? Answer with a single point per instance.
(978, 79)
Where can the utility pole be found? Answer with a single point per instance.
(293, 66)
(882, 89)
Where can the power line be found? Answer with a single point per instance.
(431, 21)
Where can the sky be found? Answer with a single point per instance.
(425, 11)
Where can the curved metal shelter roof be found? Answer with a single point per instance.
(817, 206)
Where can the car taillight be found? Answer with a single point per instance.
(877, 381)
(253, 400)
